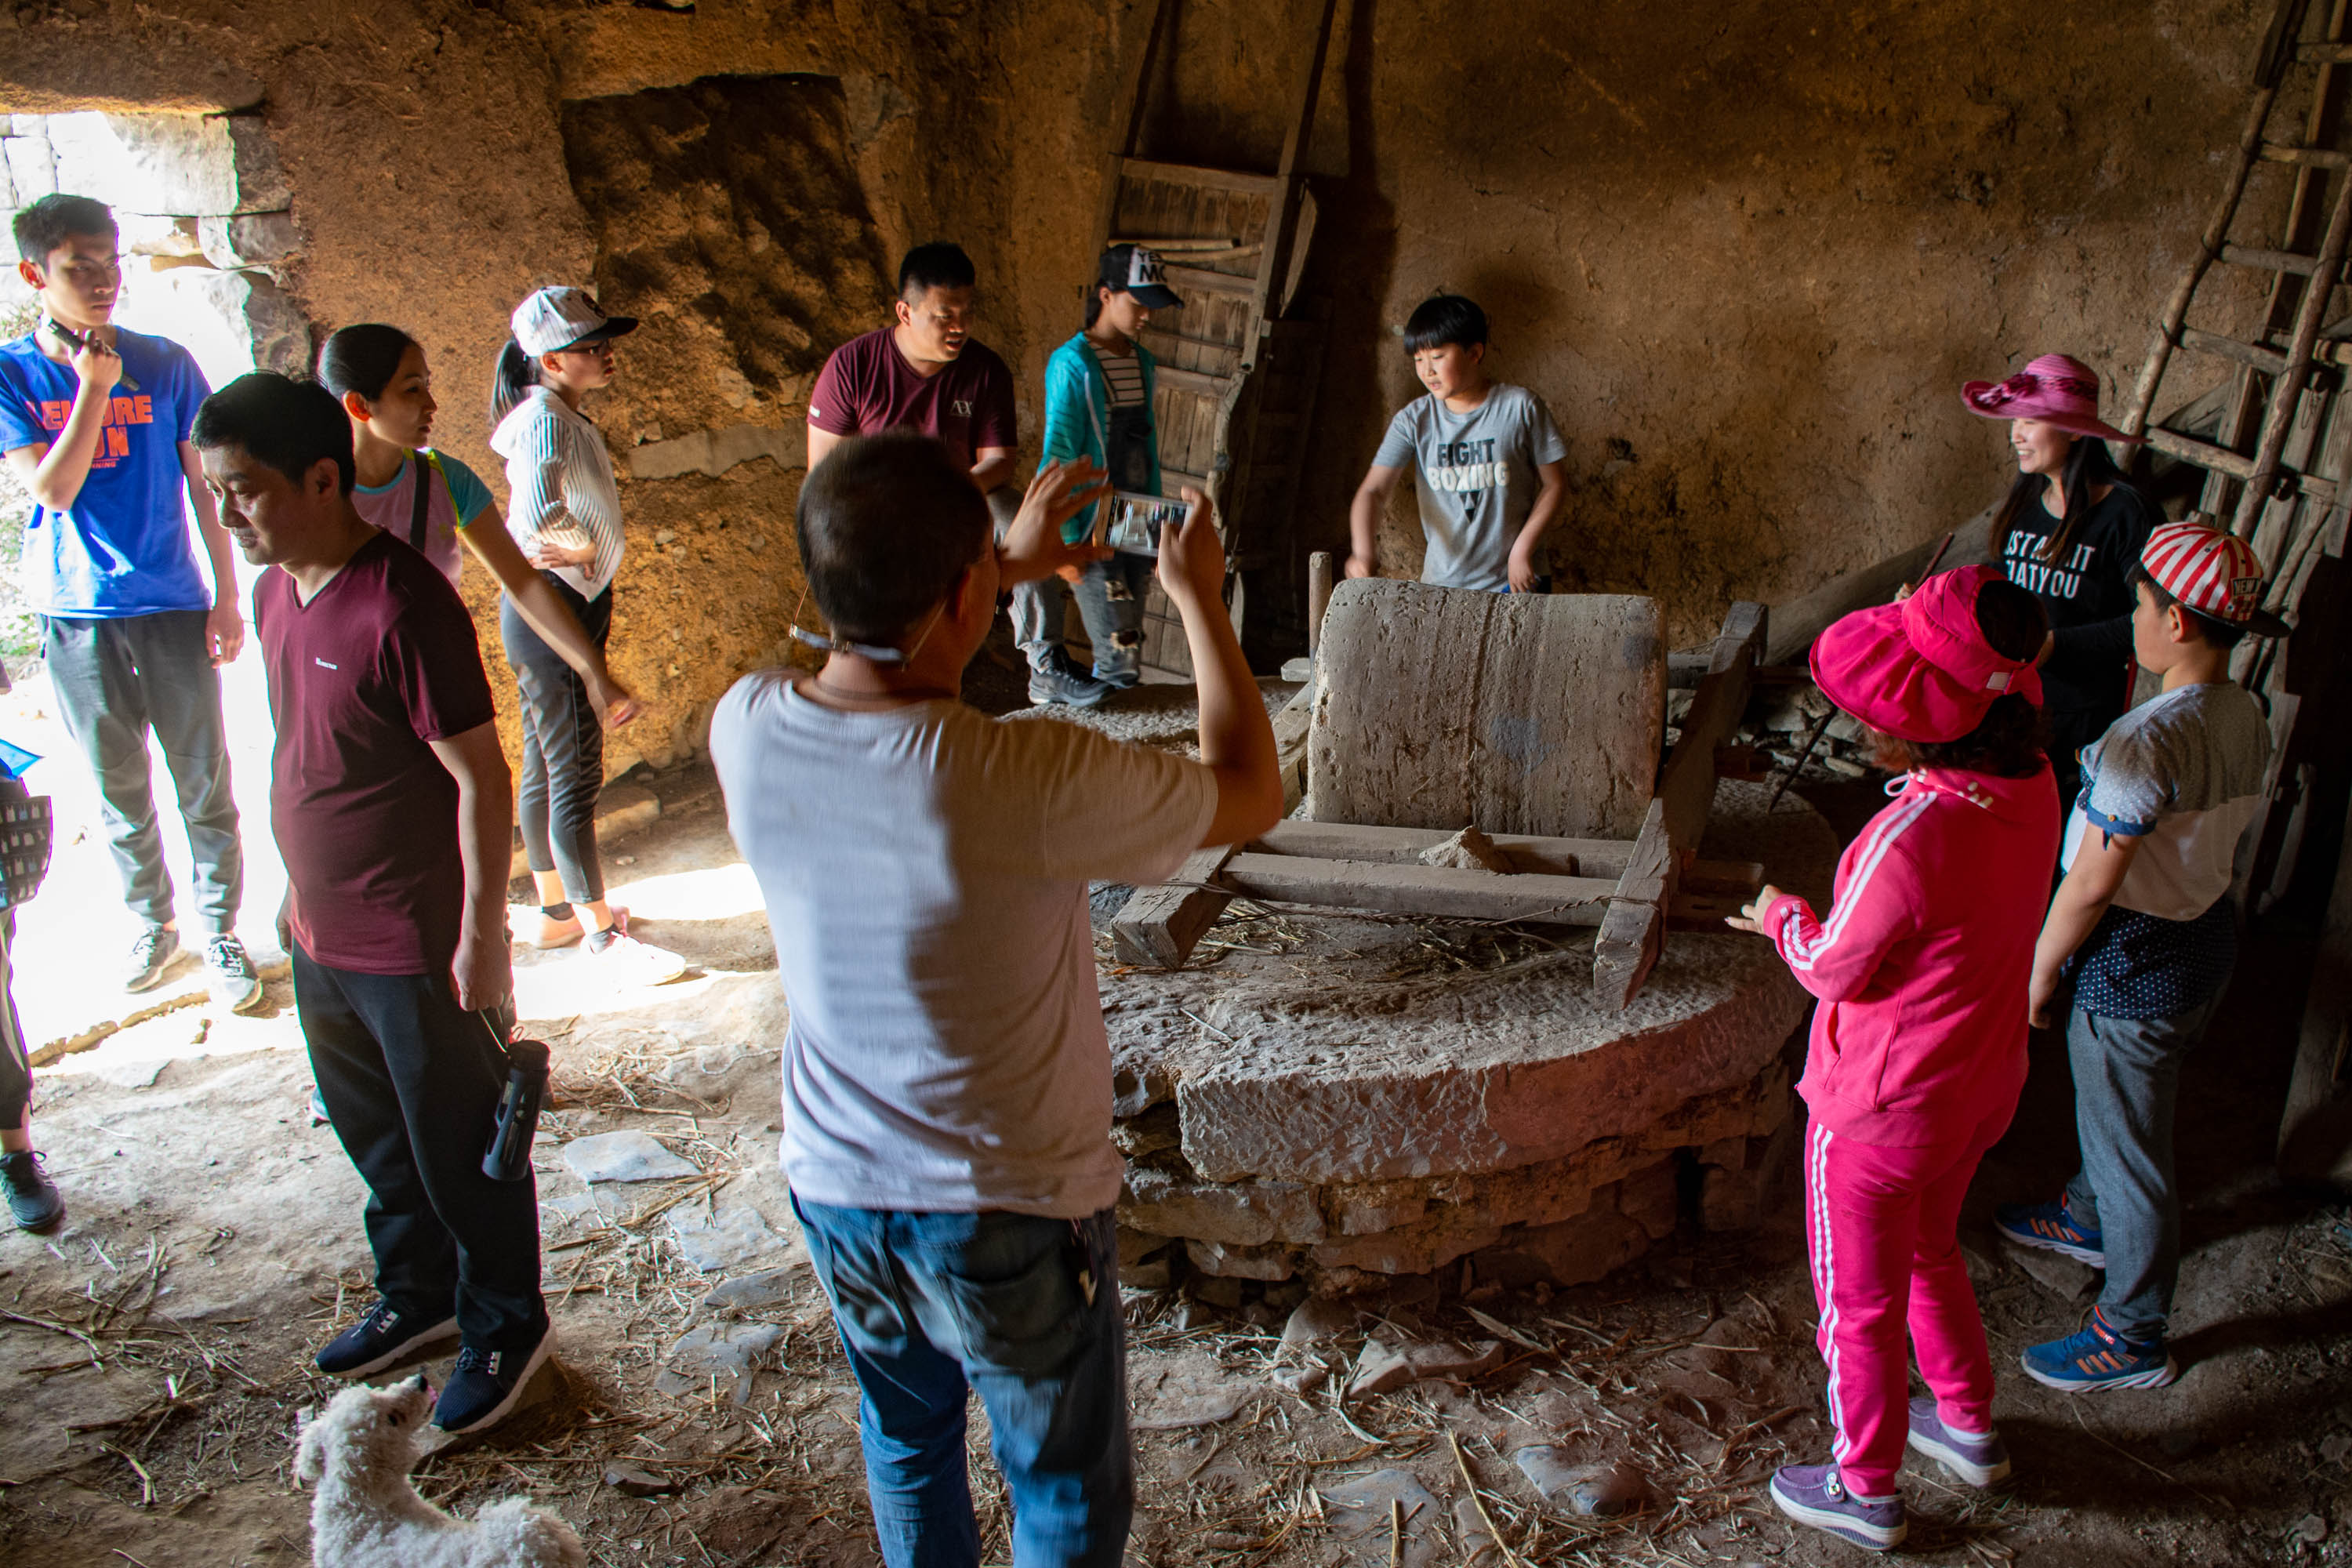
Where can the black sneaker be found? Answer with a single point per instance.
(385, 1336)
(1060, 682)
(149, 956)
(233, 983)
(488, 1384)
(32, 1197)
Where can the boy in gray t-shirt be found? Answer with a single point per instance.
(1487, 462)
(2145, 929)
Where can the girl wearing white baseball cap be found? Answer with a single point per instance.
(565, 516)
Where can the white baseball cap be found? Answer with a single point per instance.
(554, 319)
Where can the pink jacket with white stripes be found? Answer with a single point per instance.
(1922, 967)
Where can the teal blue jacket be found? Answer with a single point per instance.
(1077, 412)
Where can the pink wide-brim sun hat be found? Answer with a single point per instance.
(1921, 670)
(2056, 389)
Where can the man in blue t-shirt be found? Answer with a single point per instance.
(95, 421)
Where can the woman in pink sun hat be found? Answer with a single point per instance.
(2069, 531)
(1917, 1050)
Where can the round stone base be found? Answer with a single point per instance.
(1343, 1099)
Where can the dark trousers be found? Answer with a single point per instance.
(118, 679)
(16, 1062)
(412, 1083)
(562, 745)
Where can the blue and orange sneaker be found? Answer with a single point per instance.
(2052, 1229)
(1817, 1494)
(2097, 1356)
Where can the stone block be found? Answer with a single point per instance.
(1366, 1208)
(730, 1353)
(193, 165)
(250, 239)
(728, 1239)
(32, 171)
(754, 1292)
(1245, 1214)
(255, 308)
(1512, 1070)
(1315, 1322)
(1728, 1199)
(1574, 1253)
(1241, 1262)
(1651, 1199)
(1363, 1509)
(1429, 1243)
(626, 1156)
(1383, 1367)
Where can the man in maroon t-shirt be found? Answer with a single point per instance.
(389, 794)
(926, 374)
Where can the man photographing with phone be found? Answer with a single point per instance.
(95, 423)
(947, 1075)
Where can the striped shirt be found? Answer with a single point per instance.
(557, 474)
(1125, 374)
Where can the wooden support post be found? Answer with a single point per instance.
(1633, 931)
(1319, 597)
(1160, 925)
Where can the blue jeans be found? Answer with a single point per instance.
(932, 1305)
(1111, 595)
(2126, 1085)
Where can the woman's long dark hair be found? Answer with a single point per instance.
(2089, 465)
(511, 381)
(2009, 742)
(363, 359)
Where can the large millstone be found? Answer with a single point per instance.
(1519, 712)
(1348, 1110)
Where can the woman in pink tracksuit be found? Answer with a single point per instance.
(1918, 1043)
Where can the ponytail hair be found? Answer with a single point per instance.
(511, 381)
(363, 359)
(1094, 303)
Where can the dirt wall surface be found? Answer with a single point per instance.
(1745, 253)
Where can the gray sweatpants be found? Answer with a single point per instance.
(2126, 1085)
(118, 679)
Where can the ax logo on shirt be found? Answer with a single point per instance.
(115, 438)
(1468, 468)
(960, 408)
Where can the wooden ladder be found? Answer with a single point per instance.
(2273, 476)
(1238, 371)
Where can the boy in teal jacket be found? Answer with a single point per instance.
(1099, 389)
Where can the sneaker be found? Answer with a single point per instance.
(2096, 1356)
(149, 956)
(1059, 682)
(235, 985)
(1816, 1495)
(488, 1384)
(33, 1198)
(2052, 1229)
(320, 1115)
(384, 1337)
(1979, 1461)
(629, 961)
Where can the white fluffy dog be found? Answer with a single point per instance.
(358, 1452)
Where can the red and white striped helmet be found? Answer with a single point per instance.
(2212, 573)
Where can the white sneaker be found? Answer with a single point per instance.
(629, 961)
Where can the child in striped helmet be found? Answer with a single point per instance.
(2145, 930)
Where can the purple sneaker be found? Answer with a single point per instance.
(1979, 1461)
(1816, 1495)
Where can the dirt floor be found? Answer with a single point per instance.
(153, 1355)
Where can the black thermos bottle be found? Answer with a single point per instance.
(508, 1158)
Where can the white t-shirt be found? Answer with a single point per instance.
(925, 870)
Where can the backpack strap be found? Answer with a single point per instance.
(421, 499)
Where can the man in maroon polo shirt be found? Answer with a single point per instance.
(924, 373)
(390, 797)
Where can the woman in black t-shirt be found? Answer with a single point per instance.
(2070, 530)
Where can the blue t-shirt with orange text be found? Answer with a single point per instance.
(122, 548)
